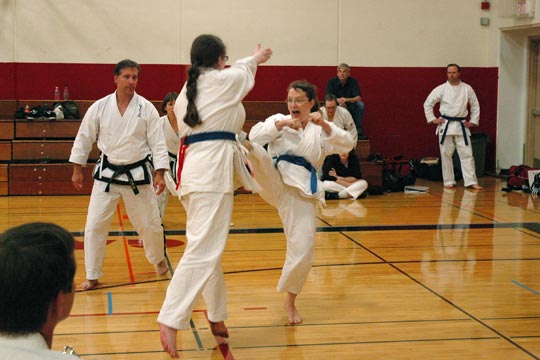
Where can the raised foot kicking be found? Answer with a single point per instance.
(292, 313)
(167, 336)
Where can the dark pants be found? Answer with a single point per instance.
(357, 112)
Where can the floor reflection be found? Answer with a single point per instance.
(354, 207)
(451, 261)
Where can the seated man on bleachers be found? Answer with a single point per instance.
(338, 115)
(342, 178)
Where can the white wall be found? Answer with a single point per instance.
(7, 51)
(369, 33)
(302, 32)
(429, 33)
(97, 31)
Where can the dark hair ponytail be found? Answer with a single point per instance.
(205, 52)
(192, 115)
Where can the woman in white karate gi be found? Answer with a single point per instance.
(170, 130)
(210, 113)
(297, 146)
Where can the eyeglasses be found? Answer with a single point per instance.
(296, 101)
(225, 58)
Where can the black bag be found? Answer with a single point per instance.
(69, 108)
(518, 178)
(41, 112)
(535, 186)
(20, 114)
(397, 175)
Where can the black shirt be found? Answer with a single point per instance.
(334, 161)
(349, 90)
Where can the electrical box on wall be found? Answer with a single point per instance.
(484, 21)
(525, 8)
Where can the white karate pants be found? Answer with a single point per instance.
(297, 214)
(451, 143)
(199, 270)
(143, 213)
(354, 190)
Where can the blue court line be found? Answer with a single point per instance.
(109, 302)
(526, 287)
(196, 334)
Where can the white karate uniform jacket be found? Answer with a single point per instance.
(211, 166)
(312, 143)
(29, 347)
(453, 102)
(343, 119)
(124, 139)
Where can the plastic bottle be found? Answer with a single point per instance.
(26, 109)
(66, 92)
(56, 93)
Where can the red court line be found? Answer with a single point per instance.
(126, 247)
(223, 348)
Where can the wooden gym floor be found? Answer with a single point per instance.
(444, 275)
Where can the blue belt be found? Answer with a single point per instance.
(298, 160)
(211, 135)
(450, 118)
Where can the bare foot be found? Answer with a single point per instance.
(89, 284)
(219, 330)
(475, 187)
(294, 316)
(162, 267)
(167, 336)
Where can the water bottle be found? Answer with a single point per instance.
(56, 93)
(66, 92)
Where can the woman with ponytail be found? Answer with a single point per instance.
(210, 114)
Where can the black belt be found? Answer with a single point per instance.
(172, 165)
(450, 118)
(298, 160)
(124, 169)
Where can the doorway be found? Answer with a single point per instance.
(532, 144)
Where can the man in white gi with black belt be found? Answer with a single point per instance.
(453, 126)
(127, 129)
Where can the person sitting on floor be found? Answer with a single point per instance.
(342, 178)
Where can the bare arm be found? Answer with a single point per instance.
(77, 177)
(159, 181)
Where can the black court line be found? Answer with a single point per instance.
(533, 226)
(435, 293)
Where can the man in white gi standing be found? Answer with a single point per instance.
(127, 129)
(338, 115)
(453, 126)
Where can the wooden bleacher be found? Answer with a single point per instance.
(34, 154)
